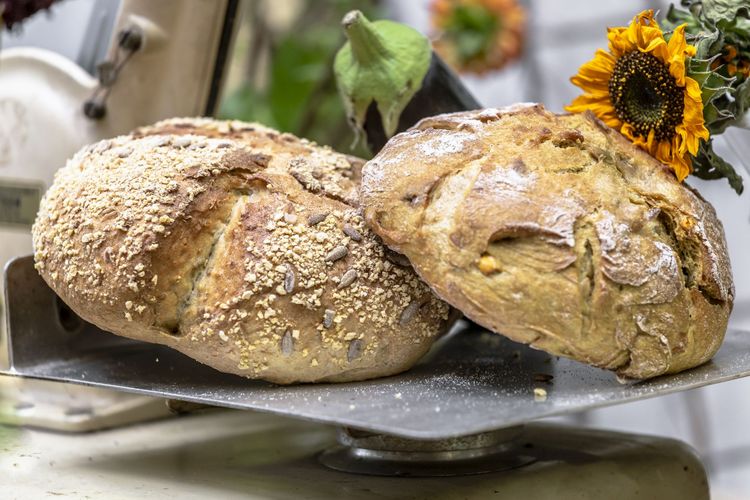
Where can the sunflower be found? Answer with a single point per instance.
(640, 88)
(477, 36)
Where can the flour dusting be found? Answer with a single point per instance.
(445, 143)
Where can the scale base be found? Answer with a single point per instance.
(362, 452)
(239, 455)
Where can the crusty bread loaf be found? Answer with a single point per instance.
(557, 232)
(237, 245)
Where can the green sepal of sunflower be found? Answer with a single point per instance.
(473, 28)
(736, 102)
(709, 165)
(701, 34)
(710, 26)
(713, 86)
(708, 45)
(717, 119)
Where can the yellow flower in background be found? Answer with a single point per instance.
(477, 36)
(640, 88)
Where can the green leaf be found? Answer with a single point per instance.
(708, 165)
(741, 99)
(707, 42)
(742, 28)
(676, 17)
(248, 105)
(299, 64)
(725, 10)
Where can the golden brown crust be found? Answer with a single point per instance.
(557, 232)
(209, 237)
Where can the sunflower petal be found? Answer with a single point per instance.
(647, 18)
(682, 167)
(628, 131)
(619, 44)
(589, 101)
(677, 53)
(595, 73)
(645, 35)
(693, 109)
(643, 29)
(657, 47)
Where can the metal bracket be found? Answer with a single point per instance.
(129, 41)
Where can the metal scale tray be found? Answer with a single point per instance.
(472, 381)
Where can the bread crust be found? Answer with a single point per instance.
(237, 245)
(557, 232)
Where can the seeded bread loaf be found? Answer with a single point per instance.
(557, 232)
(237, 245)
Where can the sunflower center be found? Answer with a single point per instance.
(646, 96)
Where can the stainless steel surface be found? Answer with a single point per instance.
(470, 444)
(73, 408)
(384, 455)
(471, 382)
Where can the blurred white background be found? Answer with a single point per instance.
(561, 36)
